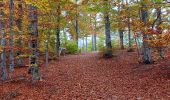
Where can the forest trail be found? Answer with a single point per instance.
(89, 77)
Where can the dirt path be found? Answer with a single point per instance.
(88, 77)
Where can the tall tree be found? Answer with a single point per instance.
(20, 30)
(94, 46)
(129, 28)
(33, 32)
(120, 30)
(108, 52)
(159, 18)
(146, 49)
(58, 29)
(107, 25)
(11, 41)
(76, 21)
(3, 70)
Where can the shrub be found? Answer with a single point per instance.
(71, 47)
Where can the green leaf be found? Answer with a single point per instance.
(158, 1)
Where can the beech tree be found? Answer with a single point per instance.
(3, 69)
(33, 33)
(58, 28)
(11, 41)
(19, 23)
(107, 25)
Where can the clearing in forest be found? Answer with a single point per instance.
(87, 76)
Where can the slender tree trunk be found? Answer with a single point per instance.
(93, 42)
(121, 39)
(76, 21)
(46, 54)
(95, 28)
(86, 45)
(3, 69)
(77, 33)
(33, 43)
(146, 49)
(107, 31)
(65, 37)
(83, 44)
(120, 30)
(58, 32)
(95, 46)
(11, 42)
(92, 36)
(94, 33)
(107, 26)
(160, 49)
(129, 29)
(108, 53)
(19, 25)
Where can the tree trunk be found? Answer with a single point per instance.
(93, 42)
(46, 54)
(160, 49)
(108, 53)
(11, 41)
(77, 31)
(146, 49)
(58, 32)
(107, 31)
(83, 44)
(95, 26)
(86, 45)
(33, 43)
(65, 37)
(3, 70)
(129, 29)
(120, 30)
(121, 39)
(19, 25)
(94, 33)
(95, 46)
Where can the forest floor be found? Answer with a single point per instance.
(89, 77)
